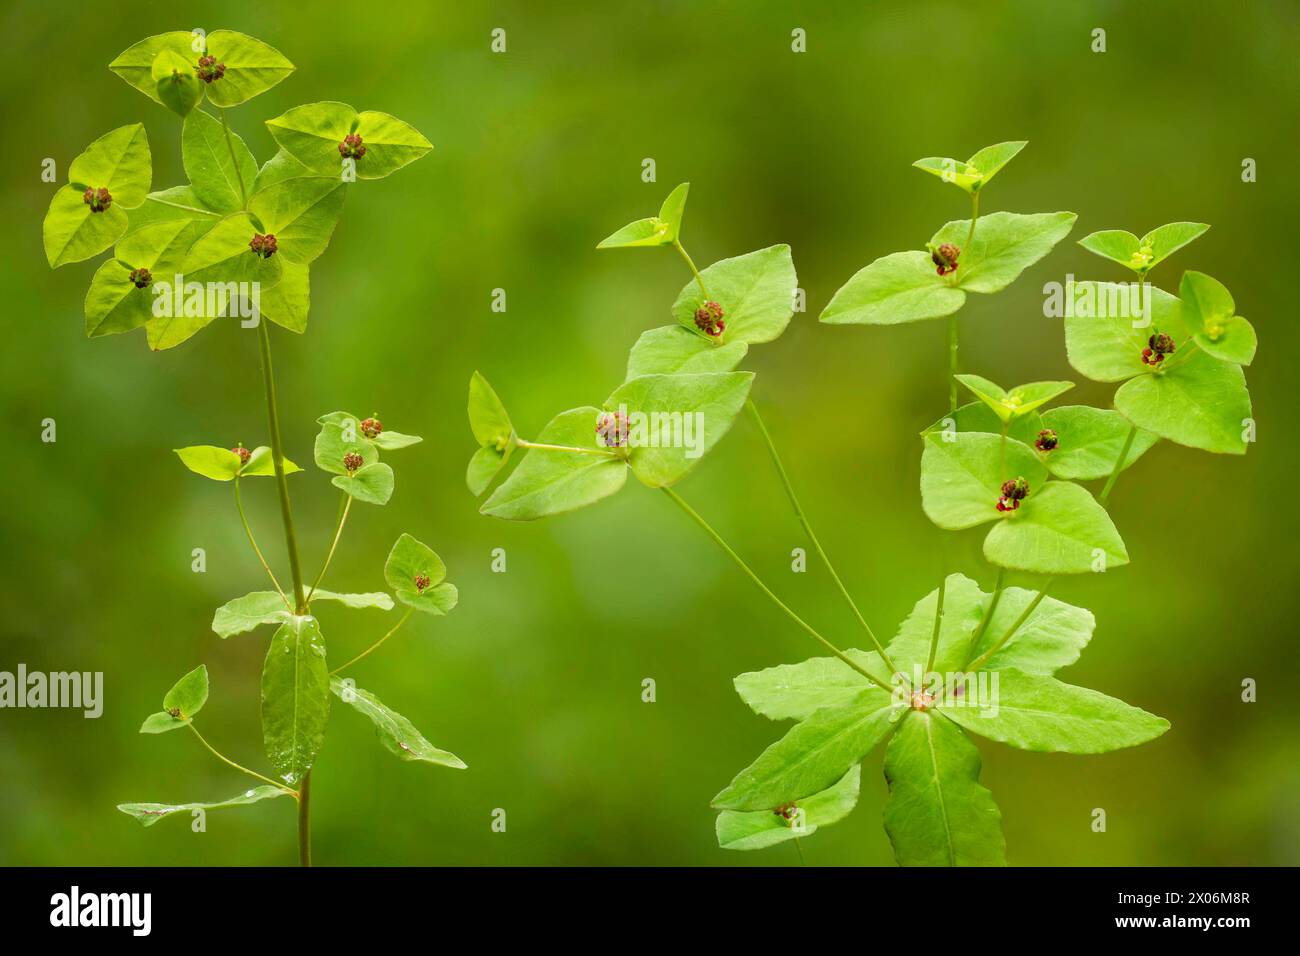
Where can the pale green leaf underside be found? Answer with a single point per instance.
(1058, 529)
(150, 813)
(796, 691)
(243, 614)
(755, 290)
(673, 350)
(897, 288)
(395, 732)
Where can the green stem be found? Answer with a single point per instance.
(304, 821)
(239, 504)
(717, 539)
(974, 215)
(1119, 465)
(1002, 451)
(699, 279)
(953, 335)
(242, 769)
(573, 448)
(993, 606)
(1020, 621)
(938, 622)
(812, 536)
(391, 632)
(277, 457)
(338, 533)
(243, 196)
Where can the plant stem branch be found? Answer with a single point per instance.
(239, 504)
(717, 538)
(338, 533)
(812, 536)
(277, 457)
(573, 448)
(391, 632)
(1020, 621)
(699, 279)
(304, 821)
(993, 606)
(243, 195)
(953, 335)
(938, 623)
(974, 215)
(1119, 465)
(242, 769)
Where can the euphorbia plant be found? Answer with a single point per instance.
(966, 660)
(236, 241)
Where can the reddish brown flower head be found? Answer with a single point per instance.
(708, 318)
(351, 147)
(1014, 491)
(264, 246)
(944, 256)
(1046, 440)
(243, 453)
(209, 69)
(612, 428)
(1158, 346)
(97, 199)
(370, 427)
(786, 811)
(421, 582)
(352, 461)
(142, 278)
(174, 712)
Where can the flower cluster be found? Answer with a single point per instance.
(612, 427)
(944, 256)
(708, 318)
(142, 278)
(1014, 491)
(351, 147)
(97, 199)
(1158, 346)
(264, 246)
(209, 69)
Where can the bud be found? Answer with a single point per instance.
(209, 69)
(264, 246)
(142, 278)
(612, 427)
(1014, 491)
(708, 318)
(351, 147)
(1158, 346)
(1046, 440)
(243, 453)
(97, 199)
(421, 582)
(370, 427)
(352, 461)
(944, 256)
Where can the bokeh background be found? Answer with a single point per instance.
(535, 679)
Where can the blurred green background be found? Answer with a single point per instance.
(535, 679)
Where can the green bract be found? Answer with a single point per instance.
(493, 432)
(661, 230)
(416, 574)
(312, 134)
(974, 173)
(250, 66)
(180, 704)
(1142, 255)
(755, 290)
(118, 162)
(1210, 314)
(1017, 402)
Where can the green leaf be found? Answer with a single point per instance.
(1019, 401)
(1165, 240)
(72, 233)
(175, 83)
(1118, 246)
(371, 483)
(224, 256)
(763, 828)
(1035, 712)
(1005, 245)
(902, 287)
(1211, 317)
(189, 694)
(252, 67)
(114, 303)
(392, 441)
(979, 417)
(287, 303)
(162, 722)
(756, 292)
(150, 813)
(339, 436)
(675, 420)
(301, 213)
(355, 601)
(553, 482)
(219, 181)
(813, 755)
(312, 134)
(1108, 324)
(661, 230)
(976, 172)
(937, 814)
(963, 607)
(118, 161)
(961, 480)
(395, 732)
(1052, 637)
(671, 350)
(1058, 529)
(243, 614)
(1201, 403)
(295, 698)
(796, 691)
(167, 205)
(409, 561)
(261, 464)
(279, 168)
(1089, 441)
(1142, 255)
(219, 464)
(136, 64)
(492, 430)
